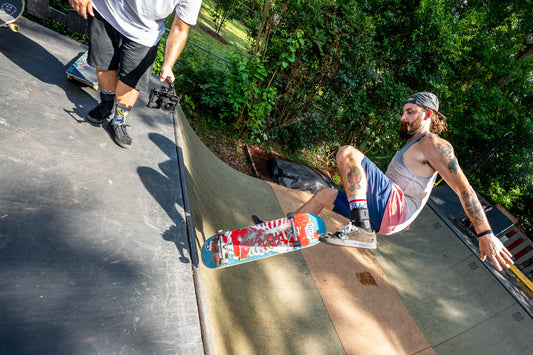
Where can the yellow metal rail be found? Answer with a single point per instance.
(522, 277)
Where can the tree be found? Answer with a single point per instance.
(224, 10)
(339, 72)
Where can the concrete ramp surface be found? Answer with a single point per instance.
(96, 254)
(326, 300)
(93, 250)
(421, 292)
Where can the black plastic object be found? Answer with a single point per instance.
(298, 176)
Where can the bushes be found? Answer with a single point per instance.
(339, 72)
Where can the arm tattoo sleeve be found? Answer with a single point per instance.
(473, 208)
(447, 151)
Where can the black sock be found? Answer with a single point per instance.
(360, 218)
(107, 99)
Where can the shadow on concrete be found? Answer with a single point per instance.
(64, 290)
(160, 185)
(43, 66)
(84, 267)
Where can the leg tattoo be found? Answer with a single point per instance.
(354, 177)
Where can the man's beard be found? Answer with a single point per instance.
(408, 130)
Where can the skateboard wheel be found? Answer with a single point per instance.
(13, 27)
(290, 215)
(220, 232)
(297, 244)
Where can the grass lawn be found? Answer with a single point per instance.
(232, 39)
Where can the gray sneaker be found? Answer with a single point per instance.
(119, 134)
(351, 236)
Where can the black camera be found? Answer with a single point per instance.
(164, 98)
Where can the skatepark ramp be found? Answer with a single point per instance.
(421, 292)
(95, 259)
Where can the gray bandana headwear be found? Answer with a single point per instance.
(426, 100)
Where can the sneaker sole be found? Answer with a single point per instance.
(348, 243)
(96, 121)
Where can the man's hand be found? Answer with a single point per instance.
(166, 72)
(82, 7)
(492, 248)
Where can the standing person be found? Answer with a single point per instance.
(123, 40)
(388, 203)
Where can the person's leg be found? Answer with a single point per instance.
(323, 198)
(126, 95)
(103, 42)
(351, 203)
(107, 79)
(354, 181)
(135, 69)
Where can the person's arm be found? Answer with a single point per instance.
(175, 42)
(441, 157)
(82, 7)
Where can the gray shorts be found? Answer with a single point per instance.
(110, 50)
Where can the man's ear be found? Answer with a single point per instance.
(429, 113)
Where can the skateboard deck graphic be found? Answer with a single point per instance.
(83, 72)
(10, 11)
(228, 248)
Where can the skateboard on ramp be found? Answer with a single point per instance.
(269, 238)
(10, 11)
(83, 72)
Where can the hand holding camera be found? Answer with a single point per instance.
(164, 98)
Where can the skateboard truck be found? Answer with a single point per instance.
(220, 248)
(292, 231)
(256, 219)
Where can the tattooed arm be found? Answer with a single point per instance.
(440, 155)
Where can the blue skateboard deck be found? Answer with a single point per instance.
(83, 72)
(294, 232)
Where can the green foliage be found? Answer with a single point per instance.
(62, 5)
(250, 103)
(327, 73)
(200, 78)
(223, 11)
(339, 72)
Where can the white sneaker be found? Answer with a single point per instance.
(351, 236)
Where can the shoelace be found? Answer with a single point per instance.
(348, 228)
(122, 128)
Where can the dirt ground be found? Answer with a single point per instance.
(231, 152)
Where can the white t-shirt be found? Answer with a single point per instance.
(142, 21)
